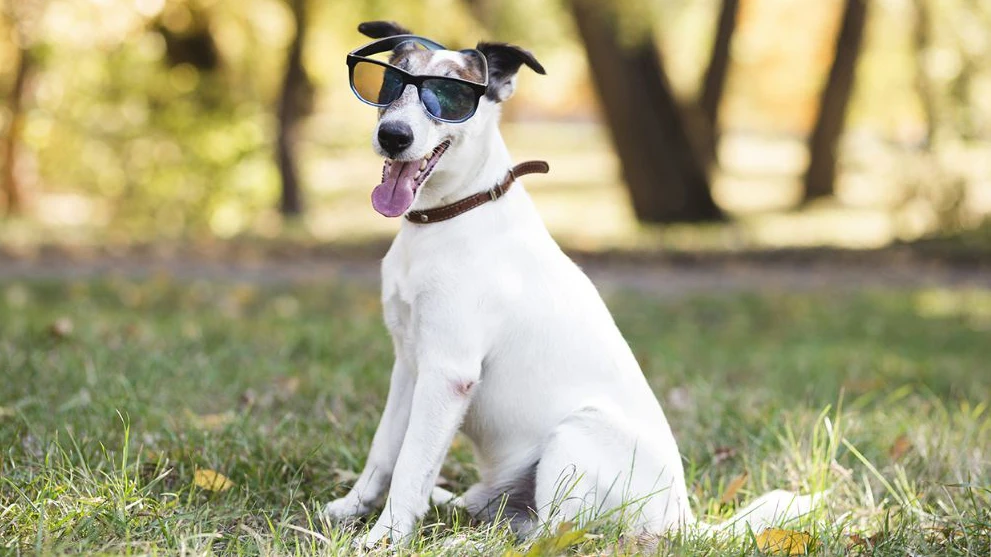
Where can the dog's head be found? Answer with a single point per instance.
(415, 145)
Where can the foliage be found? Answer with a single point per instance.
(123, 134)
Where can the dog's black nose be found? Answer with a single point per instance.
(395, 136)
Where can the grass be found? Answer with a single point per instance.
(115, 392)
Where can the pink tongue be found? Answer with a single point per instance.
(395, 194)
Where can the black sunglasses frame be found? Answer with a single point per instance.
(384, 45)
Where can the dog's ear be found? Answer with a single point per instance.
(504, 60)
(382, 29)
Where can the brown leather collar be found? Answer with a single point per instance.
(446, 212)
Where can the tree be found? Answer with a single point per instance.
(665, 172)
(295, 103)
(821, 172)
(922, 42)
(714, 82)
(11, 189)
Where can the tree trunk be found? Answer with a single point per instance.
(295, 102)
(714, 82)
(12, 189)
(821, 173)
(666, 179)
(922, 42)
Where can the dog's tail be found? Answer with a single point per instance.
(776, 508)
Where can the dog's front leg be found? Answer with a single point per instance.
(388, 439)
(440, 399)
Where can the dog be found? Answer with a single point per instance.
(497, 332)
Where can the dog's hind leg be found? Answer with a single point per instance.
(596, 465)
(440, 497)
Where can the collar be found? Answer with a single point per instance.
(446, 212)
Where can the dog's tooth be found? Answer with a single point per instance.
(430, 155)
(423, 165)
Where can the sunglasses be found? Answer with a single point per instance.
(447, 99)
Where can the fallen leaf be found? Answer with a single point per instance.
(870, 542)
(287, 386)
(860, 386)
(722, 454)
(61, 328)
(784, 542)
(565, 537)
(900, 447)
(734, 486)
(247, 399)
(210, 422)
(211, 480)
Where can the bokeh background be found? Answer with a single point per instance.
(688, 124)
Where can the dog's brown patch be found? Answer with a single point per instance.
(419, 62)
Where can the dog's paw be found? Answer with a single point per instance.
(343, 509)
(387, 529)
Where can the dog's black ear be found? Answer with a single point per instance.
(382, 29)
(504, 60)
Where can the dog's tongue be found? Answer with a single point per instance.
(395, 194)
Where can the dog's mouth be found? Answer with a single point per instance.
(400, 180)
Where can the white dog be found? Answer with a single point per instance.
(498, 333)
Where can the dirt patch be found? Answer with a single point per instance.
(660, 273)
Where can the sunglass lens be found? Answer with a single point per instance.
(448, 100)
(376, 84)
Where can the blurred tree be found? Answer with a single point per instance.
(821, 172)
(191, 43)
(922, 42)
(714, 82)
(664, 167)
(295, 103)
(11, 188)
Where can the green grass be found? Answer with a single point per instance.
(881, 397)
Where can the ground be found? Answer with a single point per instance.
(121, 381)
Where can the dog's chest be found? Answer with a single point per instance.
(397, 306)
(402, 288)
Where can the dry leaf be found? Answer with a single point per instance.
(870, 542)
(61, 328)
(723, 454)
(734, 486)
(900, 447)
(287, 386)
(859, 386)
(247, 399)
(211, 480)
(210, 422)
(784, 542)
(565, 537)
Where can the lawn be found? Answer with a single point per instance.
(115, 393)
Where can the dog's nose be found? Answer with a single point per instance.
(395, 136)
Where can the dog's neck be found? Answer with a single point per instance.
(468, 171)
